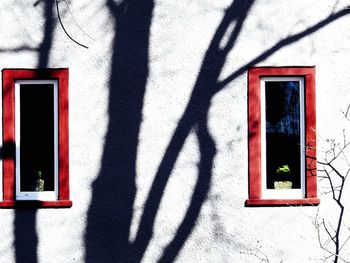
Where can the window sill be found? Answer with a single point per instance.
(37, 204)
(282, 202)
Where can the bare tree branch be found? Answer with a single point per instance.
(75, 21)
(64, 29)
(336, 180)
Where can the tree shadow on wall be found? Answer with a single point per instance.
(25, 233)
(111, 210)
(194, 117)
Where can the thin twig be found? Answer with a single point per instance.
(76, 20)
(347, 112)
(64, 29)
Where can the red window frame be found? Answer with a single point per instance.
(9, 76)
(254, 135)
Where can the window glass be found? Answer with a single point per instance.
(282, 128)
(37, 137)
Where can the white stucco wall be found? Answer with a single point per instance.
(180, 34)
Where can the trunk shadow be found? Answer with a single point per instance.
(114, 190)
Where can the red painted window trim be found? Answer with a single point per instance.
(254, 135)
(9, 76)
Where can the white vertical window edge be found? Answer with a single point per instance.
(302, 136)
(45, 195)
(282, 193)
(1, 164)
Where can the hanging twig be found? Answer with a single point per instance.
(64, 29)
(76, 20)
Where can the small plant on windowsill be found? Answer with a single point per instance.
(38, 183)
(284, 173)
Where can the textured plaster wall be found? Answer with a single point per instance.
(181, 32)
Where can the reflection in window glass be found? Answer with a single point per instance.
(37, 137)
(282, 100)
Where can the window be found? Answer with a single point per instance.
(35, 138)
(282, 136)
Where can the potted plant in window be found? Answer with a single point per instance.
(283, 173)
(38, 183)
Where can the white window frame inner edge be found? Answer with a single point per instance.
(282, 193)
(45, 195)
(1, 164)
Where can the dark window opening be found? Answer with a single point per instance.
(282, 100)
(37, 166)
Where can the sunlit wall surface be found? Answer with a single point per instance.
(158, 126)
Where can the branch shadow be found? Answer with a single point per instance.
(284, 43)
(195, 116)
(25, 233)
